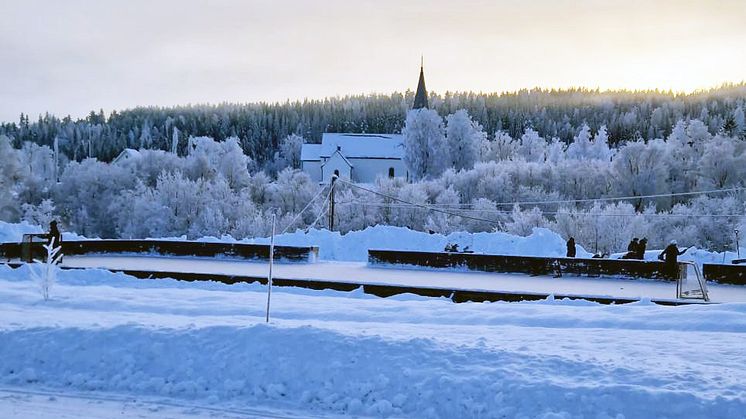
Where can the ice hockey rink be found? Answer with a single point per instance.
(423, 278)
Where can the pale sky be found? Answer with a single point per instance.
(71, 56)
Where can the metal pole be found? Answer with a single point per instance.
(271, 260)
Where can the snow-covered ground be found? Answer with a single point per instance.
(179, 349)
(108, 345)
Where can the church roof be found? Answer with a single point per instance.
(310, 152)
(355, 146)
(420, 98)
(126, 154)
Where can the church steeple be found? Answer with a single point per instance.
(420, 98)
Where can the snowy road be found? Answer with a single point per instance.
(360, 272)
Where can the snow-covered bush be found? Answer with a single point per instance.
(44, 273)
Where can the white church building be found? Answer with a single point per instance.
(360, 158)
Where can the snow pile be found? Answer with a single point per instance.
(354, 245)
(332, 352)
(13, 232)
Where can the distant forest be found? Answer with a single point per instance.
(260, 127)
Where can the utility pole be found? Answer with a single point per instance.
(56, 159)
(738, 247)
(331, 204)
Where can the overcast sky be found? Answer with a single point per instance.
(68, 57)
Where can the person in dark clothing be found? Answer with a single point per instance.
(54, 234)
(670, 256)
(631, 249)
(571, 247)
(642, 245)
(632, 245)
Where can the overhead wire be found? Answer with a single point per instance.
(434, 208)
(426, 207)
(602, 199)
(303, 210)
(323, 211)
(383, 205)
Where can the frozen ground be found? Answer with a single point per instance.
(203, 350)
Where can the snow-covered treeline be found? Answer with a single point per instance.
(216, 189)
(260, 127)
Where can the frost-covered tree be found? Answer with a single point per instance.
(555, 152)
(356, 212)
(641, 169)
(722, 163)
(532, 147)
(290, 150)
(600, 149)
(209, 157)
(486, 210)
(175, 141)
(408, 216)
(580, 149)
(291, 192)
(425, 148)
(503, 147)
(85, 193)
(523, 223)
(464, 137)
(444, 223)
(41, 214)
(740, 122)
(11, 174)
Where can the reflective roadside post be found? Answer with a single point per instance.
(271, 260)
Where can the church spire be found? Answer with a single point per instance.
(420, 98)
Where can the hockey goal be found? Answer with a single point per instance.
(691, 284)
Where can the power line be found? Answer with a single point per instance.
(324, 209)
(620, 198)
(603, 199)
(433, 208)
(303, 210)
(506, 212)
(426, 207)
(623, 198)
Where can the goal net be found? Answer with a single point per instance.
(691, 284)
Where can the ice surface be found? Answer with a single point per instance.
(359, 272)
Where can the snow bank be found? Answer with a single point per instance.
(354, 245)
(12, 232)
(323, 370)
(326, 352)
